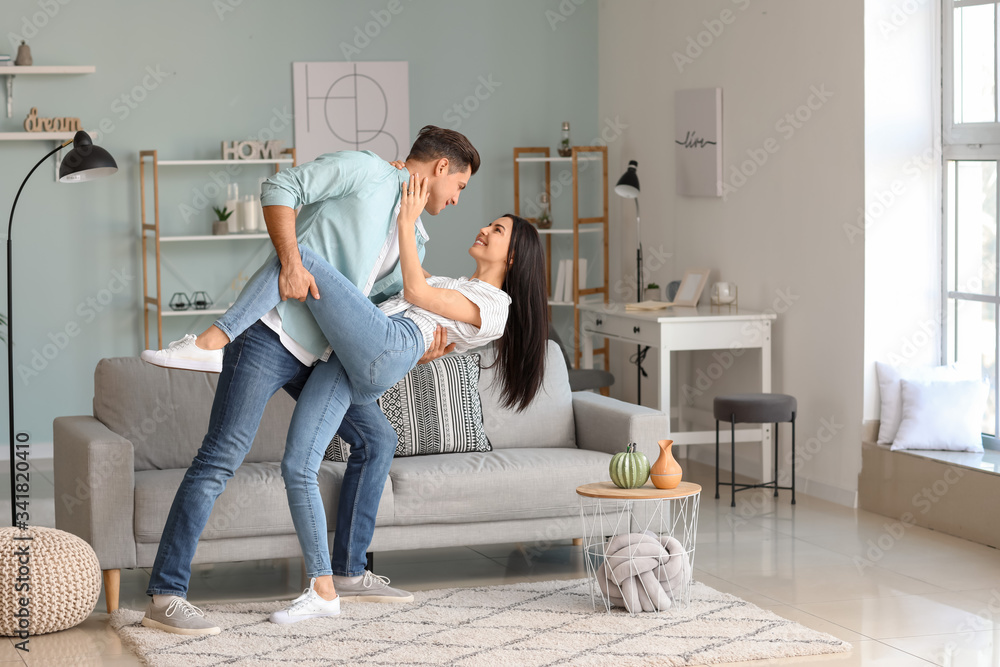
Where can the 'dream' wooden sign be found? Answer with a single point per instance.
(35, 124)
(252, 150)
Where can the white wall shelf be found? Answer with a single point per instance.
(56, 137)
(14, 70)
(10, 71)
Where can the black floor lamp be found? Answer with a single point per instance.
(628, 187)
(84, 162)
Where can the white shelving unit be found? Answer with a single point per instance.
(220, 237)
(582, 158)
(178, 163)
(36, 136)
(11, 71)
(581, 225)
(595, 230)
(151, 232)
(194, 311)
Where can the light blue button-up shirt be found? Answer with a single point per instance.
(348, 201)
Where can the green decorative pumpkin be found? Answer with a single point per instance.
(629, 469)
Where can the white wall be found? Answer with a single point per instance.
(780, 235)
(900, 226)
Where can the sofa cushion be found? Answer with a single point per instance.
(435, 409)
(509, 484)
(164, 413)
(546, 422)
(253, 504)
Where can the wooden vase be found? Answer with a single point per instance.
(666, 472)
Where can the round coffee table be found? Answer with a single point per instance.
(639, 544)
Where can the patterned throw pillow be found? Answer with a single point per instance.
(435, 409)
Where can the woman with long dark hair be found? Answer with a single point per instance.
(373, 347)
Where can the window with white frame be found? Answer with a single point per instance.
(971, 154)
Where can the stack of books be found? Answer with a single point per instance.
(563, 292)
(647, 305)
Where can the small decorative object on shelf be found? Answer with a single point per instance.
(629, 469)
(666, 472)
(252, 150)
(545, 217)
(180, 301)
(201, 300)
(250, 215)
(23, 54)
(221, 226)
(232, 203)
(35, 124)
(724, 294)
(565, 150)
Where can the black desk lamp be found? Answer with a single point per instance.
(84, 162)
(628, 187)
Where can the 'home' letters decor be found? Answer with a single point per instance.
(252, 150)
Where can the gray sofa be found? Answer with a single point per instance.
(116, 471)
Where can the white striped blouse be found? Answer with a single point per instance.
(493, 306)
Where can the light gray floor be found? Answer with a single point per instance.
(918, 598)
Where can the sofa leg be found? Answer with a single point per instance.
(577, 541)
(112, 584)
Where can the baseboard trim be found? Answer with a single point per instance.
(811, 487)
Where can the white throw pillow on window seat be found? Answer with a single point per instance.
(942, 415)
(889, 390)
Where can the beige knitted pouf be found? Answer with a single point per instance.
(59, 579)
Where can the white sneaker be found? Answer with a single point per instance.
(183, 354)
(306, 606)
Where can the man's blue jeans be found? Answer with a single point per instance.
(255, 366)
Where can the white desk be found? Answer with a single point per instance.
(686, 328)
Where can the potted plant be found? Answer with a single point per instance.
(220, 226)
(655, 288)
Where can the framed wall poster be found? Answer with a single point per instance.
(351, 106)
(698, 141)
(691, 287)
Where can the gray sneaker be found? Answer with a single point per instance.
(372, 588)
(179, 617)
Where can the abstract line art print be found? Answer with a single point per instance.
(351, 106)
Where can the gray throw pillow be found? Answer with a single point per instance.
(435, 409)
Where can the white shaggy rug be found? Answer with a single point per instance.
(544, 623)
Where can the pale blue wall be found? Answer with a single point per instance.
(225, 76)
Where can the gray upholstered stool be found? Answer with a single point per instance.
(754, 409)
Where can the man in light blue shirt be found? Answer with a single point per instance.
(348, 210)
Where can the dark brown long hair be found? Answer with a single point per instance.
(520, 359)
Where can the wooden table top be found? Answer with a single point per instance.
(646, 492)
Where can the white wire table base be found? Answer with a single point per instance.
(639, 552)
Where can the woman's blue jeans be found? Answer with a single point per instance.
(371, 353)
